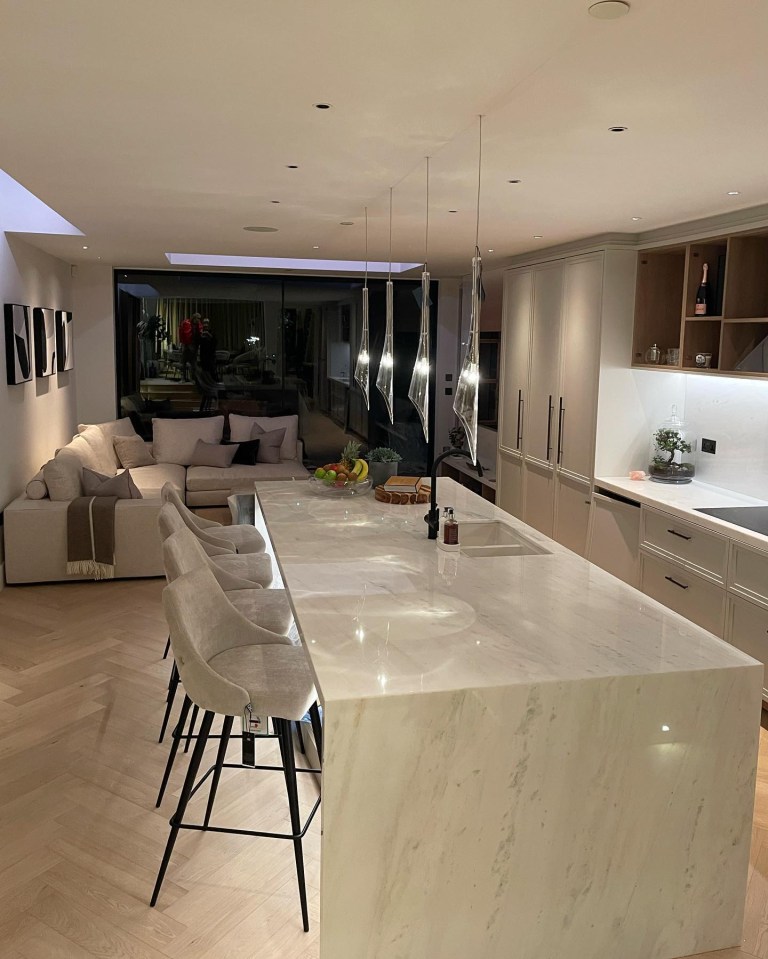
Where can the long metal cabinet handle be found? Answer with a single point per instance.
(674, 532)
(676, 582)
(549, 428)
(560, 425)
(519, 441)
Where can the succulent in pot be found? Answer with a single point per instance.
(382, 463)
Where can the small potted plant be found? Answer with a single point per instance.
(672, 452)
(382, 463)
(456, 436)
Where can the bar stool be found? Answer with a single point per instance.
(239, 539)
(229, 669)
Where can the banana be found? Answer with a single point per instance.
(361, 469)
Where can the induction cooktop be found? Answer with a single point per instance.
(748, 517)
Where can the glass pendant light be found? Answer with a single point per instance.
(362, 367)
(465, 402)
(385, 374)
(418, 392)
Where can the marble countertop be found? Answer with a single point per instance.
(382, 611)
(684, 500)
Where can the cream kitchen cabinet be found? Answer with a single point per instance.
(747, 629)
(551, 349)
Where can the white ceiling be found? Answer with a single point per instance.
(166, 125)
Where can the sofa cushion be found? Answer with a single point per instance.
(269, 445)
(241, 428)
(246, 454)
(200, 478)
(36, 488)
(132, 451)
(99, 484)
(151, 479)
(175, 440)
(213, 454)
(122, 427)
(63, 475)
(101, 448)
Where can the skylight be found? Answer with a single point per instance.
(285, 263)
(22, 212)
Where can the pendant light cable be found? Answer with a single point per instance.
(426, 228)
(366, 246)
(479, 169)
(390, 234)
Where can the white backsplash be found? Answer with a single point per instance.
(734, 413)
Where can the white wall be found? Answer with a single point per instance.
(38, 416)
(93, 309)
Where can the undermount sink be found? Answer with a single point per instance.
(493, 538)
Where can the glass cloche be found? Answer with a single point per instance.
(673, 452)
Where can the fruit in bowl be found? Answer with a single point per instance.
(348, 471)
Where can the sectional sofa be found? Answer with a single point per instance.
(35, 524)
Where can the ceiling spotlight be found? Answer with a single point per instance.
(261, 229)
(292, 166)
(453, 211)
(538, 236)
(636, 218)
(617, 129)
(490, 251)
(609, 9)
(85, 247)
(315, 247)
(514, 181)
(274, 201)
(322, 106)
(733, 192)
(347, 223)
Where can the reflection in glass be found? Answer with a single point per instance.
(418, 392)
(466, 401)
(385, 374)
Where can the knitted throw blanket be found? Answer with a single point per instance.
(91, 537)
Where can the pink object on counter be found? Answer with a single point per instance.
(637, 474)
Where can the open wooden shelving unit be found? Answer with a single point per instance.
(667, 280)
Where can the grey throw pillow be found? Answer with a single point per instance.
(269, 444)
(121, 486)
(132, 451)
(213, 454)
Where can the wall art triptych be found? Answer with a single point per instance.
(46, 335)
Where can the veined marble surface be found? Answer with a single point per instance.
(685, 499)
(383, 611)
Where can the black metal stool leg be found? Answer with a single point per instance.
(173, 685)
(189, 782)
(167, 647)
(317, 730)
(176, 736)
(300, 734)
(226, 729)
(283, 729)
(192, 722)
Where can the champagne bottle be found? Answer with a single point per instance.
(701, 294)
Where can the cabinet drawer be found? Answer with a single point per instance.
(700, 550)
(749, 573)
(697, 599)
(748, 631)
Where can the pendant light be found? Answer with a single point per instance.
(385, 374)
(362, 367)
(418, 392)
(465, 402)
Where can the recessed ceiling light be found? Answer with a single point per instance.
(617, 129)
(453, 211)
(490, 251)
(636, 218)
(347, 223)
(261, 229)
(538, 236)
(514, 181)
(733, 192)
(609, 9)
(315, 247)
(322, 106)
(85, 247)
(292, 166)
(274, 201)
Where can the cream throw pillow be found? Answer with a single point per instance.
(175, 440)
(241, 429)
(132, 451)
(121, 427)
(63, 475)
(36, 488)
(213, 454)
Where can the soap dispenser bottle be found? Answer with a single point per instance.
(449, 534)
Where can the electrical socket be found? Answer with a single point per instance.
(708, 446)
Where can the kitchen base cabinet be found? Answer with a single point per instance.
(572, 513)
(748, 574)
(539, 501)
(698, 599)
(614, 538)
(509, 483)
(747, 629)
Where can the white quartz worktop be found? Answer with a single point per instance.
(383, 611)
(683, 501)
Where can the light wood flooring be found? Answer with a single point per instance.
(82, 689)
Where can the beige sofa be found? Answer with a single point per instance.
(35, 524)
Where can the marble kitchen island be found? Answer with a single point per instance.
(524, 757)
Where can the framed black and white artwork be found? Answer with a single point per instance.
(65, 358)
(45, 341)
(18, 344)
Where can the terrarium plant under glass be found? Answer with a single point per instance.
(673, 452)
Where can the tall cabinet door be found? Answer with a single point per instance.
(515, 349)
(509, 482)
(540, 416)
(577, 399)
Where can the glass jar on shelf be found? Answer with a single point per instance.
(673, 452)
(653, 355)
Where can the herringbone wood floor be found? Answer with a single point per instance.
(81, 696)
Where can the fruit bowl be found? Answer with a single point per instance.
(339, 488)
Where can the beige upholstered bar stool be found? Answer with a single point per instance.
(228, 668)
(240, 539)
